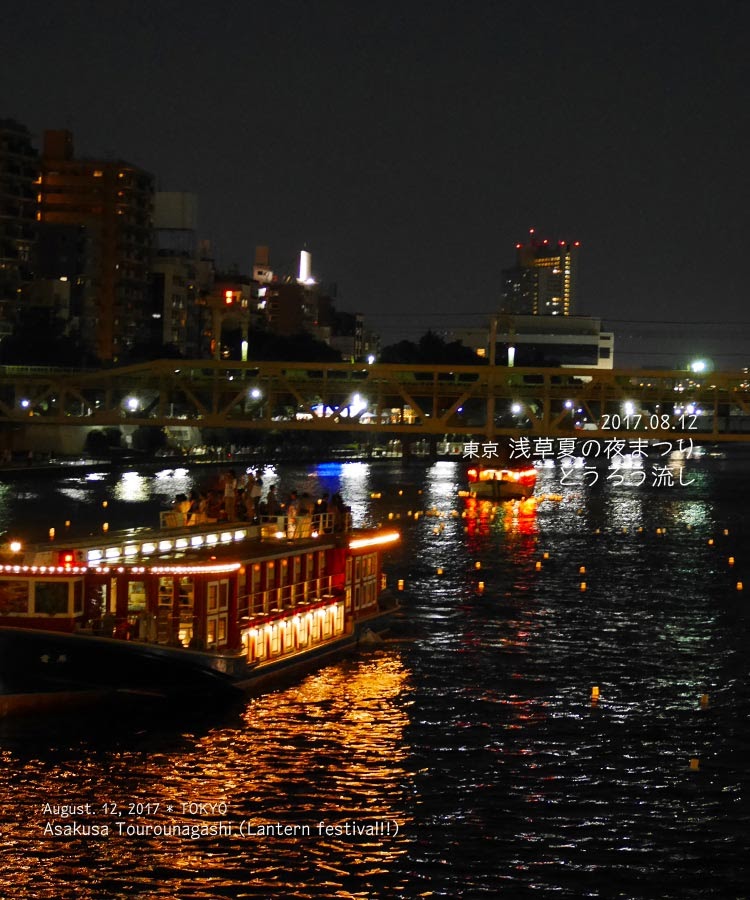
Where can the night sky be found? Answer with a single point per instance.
(410, 145)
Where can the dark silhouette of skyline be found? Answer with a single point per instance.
(410, 146)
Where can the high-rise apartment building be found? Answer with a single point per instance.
(18, 172)
(182, 276)
(543, 281)
(113, 200)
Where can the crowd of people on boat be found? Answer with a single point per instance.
(242, 499)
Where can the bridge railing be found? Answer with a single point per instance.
(388, 398)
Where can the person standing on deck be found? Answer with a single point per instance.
(292, 511)
(256, 492)
(230, 495)
(273, 506)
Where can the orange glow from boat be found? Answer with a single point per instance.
(389, 537)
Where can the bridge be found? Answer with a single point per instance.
(470, 402)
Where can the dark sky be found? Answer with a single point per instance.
(410, 145)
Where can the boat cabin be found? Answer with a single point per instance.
(234, 591)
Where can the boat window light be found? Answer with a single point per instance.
(165, 545)
(197, 540)
(112, 552)
(212, 539)
(94, 555)
(147, 548)
(279, 535)
(239, 535)
(226, 537)
(181, 543)
(131, 549)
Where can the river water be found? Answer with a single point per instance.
(464, 757)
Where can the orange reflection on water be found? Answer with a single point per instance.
(515, 516)
(316, 756)
(329, 750)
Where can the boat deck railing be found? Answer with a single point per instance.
(284, 597)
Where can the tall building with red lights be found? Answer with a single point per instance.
(543, 281)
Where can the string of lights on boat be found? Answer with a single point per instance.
(98, 557)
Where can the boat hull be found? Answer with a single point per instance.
(53, 661)
(53, 670)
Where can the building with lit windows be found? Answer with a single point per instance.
(18, 172)
(543, 281)
(182, 277)
(576, 341)
(114, 201)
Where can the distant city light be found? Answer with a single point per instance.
(132, 403)
(698, 365)
(516, 408)
(371, 359)
(256, 393)
(358, 404)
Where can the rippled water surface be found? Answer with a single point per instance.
(466, 749)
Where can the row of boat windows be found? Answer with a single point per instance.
(300, 569)
(27, 596)
(43, 597)
(292, 634)
(280, 572)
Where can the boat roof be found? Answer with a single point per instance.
(211, 546)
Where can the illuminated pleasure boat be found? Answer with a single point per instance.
(186, 612)
(501, 483)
